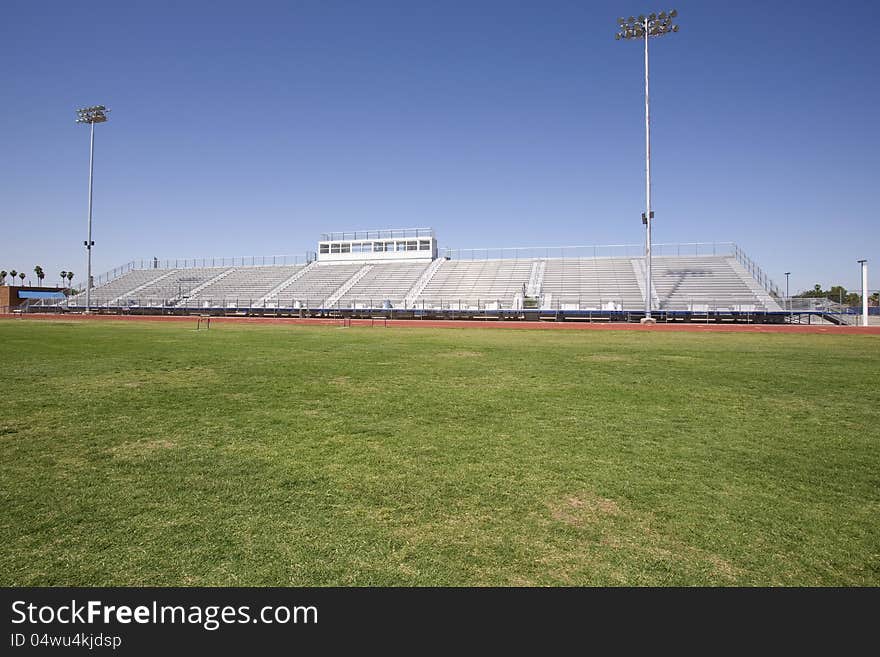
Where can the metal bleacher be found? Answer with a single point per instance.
(313, 288)
(242, 287)
(705, 279)
(471, 284)
(168, 289)
(591, 284)
(383, 283)
(120, 288)
(701, 284)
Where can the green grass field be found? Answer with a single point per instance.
(152, 454)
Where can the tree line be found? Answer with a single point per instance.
(838, 293)
(38, 272)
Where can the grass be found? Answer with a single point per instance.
(151, 454)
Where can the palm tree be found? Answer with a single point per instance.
(69, 278)
(21, 275)
(3, 273)
(38, 271)
(13, 273)
(63, 276)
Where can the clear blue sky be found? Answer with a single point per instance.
(251, 127)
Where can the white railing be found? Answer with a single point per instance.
(378, 234)
(201, 263)
(222, 261)
(756, 272)
(419, 286)
(592, 251)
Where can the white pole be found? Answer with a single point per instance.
(788, 296)
(647, 183)
(89, 241)
(864, 292)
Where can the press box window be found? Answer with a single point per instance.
(325, 248)
(424, 245)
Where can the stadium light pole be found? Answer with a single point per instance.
(91, 115)
(787, 296)
(864, 264)
(645, 27)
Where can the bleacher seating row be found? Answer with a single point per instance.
(694, 283)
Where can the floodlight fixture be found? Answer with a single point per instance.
(95, 114)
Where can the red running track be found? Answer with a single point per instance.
(457, 323)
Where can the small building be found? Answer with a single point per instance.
(14, 295)
(418, 244)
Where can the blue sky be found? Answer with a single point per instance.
(250, 128)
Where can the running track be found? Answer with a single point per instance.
(455, 323)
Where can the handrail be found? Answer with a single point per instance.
(756, 272)
(377, 233)
(205, 262)
(591, 251)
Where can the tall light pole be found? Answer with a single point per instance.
(787, 296)
(864, 264)
(645, 27)
(91, 115)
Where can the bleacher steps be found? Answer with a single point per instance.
(536, 278)
(757, 289)
(345, 287)
(278, 289)
(410, 299)
(138, 288)
(198, 288)
(640, 270)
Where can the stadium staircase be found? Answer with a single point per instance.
(641, 273)
(836, 313)
(330, 301)
(760, 293)
(137, 289)
(410, 299)
(385, 285)
(277, 290)
(536, 279)
(198, 288)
